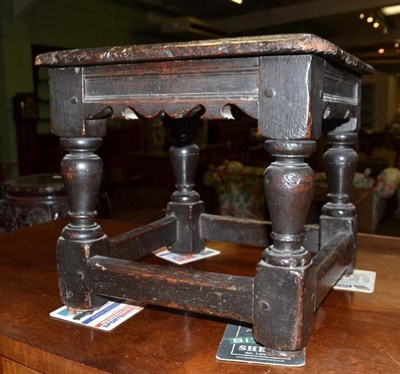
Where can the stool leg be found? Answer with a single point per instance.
(185, 204)
(82, 238)
(284, 287)
(340, 163)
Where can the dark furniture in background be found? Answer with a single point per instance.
(37, 152)
(39, 198)
(296, 86)
(31, 200)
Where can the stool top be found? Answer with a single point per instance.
(215, 48)
(36, 184)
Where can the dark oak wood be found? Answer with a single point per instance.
(333, 259)
(141, 241)
(246, 46)
(296, 86)
(352, 333)
(256, 74)
(221, 295)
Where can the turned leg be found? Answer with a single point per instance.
(82, 238)
(284, 289)
(185, 204)
(340, 163)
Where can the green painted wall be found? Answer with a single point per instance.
(58, 23)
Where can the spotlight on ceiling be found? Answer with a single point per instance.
(391, 10)
(237, 1)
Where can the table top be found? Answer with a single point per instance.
(282, 44)
(35, 184)
(353, 333)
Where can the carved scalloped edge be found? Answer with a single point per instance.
(217, 111)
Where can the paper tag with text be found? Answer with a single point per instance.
(106, 318)
(180, 259)
(359, 281)
(238, 345)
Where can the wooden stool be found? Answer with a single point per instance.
(296, 86)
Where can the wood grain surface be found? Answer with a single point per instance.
(352, 333)
(243, 46)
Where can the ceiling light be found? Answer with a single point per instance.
(391, 10)
(396, 45)
(370, 19)
(381, 50)
(362, 15)
(376, 25)
(237, 1)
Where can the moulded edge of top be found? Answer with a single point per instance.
(282, 44)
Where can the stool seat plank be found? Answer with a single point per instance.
(217, 48)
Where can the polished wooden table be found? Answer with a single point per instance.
(353, 333)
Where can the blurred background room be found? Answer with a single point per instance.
(138, 179)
